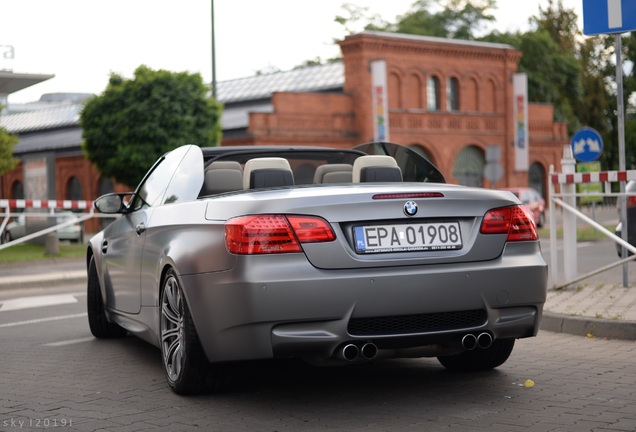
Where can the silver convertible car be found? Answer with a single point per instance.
(333, 256)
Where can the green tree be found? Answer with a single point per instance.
(135, 121)
(454, 19)
(457, 19)
(595, 106)
(554, 76)
(607, 66)
(560, 23)
(7, 144)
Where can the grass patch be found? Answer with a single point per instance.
(583, 233)
(33, 252)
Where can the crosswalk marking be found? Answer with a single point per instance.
(37, 301)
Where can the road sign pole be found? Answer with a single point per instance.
(621, 148)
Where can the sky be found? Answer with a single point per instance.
(82, 42)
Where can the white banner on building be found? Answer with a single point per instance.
(380, 101)
(520, 111)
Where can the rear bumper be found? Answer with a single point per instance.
(266, 307)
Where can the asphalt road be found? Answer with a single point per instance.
(55, 374)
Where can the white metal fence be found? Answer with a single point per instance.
(565, 198)
(52, 206)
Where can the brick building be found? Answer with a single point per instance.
(448, 99)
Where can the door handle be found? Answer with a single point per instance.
(140, 228)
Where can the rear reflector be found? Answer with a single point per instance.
(516, 221)
(267, 234)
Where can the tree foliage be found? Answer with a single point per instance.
(457, 19)
(128, 127)
(554, 76)
(454, 19)
(7, 144)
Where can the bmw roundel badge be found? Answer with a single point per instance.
(410, 208)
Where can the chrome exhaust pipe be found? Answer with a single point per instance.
(484, 340)
(469, 342)
(350, 352)
(369, 351)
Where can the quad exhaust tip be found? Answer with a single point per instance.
(483, 341)
(369, 351)
(351, 352)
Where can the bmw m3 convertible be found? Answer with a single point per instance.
(333, 256)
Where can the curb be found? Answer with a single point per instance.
(588, 327)
(37, 281)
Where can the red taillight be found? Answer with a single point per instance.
(631, 201)
(266, 234)
(309, 229)
(516, 221)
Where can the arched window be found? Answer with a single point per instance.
(469, 167)
(414, 94)
(17, 190)
(432, 93)
(470, 96)
(395, 91)
(74, 189)
(452, 94)
(489, 101)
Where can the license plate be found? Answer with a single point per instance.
(408, 237)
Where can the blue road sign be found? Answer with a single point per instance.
(587, 145)
(608, 16)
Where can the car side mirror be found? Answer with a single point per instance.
(112, 203)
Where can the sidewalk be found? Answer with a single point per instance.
(596, 307)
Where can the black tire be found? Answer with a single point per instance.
(479, 359)
(97, 321)
(187, 368)
(6, 237)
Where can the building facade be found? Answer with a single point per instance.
(449, 100)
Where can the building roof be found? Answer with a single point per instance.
(240, 96)
(306, 79)
(61, 139)
(11, 82)
(48, 118)
(445, 41)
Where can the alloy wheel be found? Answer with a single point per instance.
(172, 328)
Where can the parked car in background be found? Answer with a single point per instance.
(630, 187)
(14, 229)
(334, 256)
(533, 200)
(74, 233)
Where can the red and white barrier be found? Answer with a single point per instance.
(593, 177)
(46, 204)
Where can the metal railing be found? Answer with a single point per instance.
(566, 200)
(52, 206)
